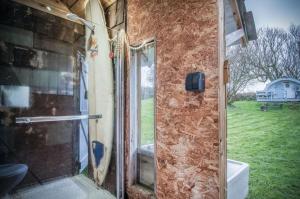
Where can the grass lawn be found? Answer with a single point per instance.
(270, 143)
(147, 121)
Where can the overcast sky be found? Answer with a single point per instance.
(272, 13)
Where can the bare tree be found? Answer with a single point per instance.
(240, 72)
(292, 58)
(275, 54)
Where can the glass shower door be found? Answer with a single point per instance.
(40, 110)
(32, 101)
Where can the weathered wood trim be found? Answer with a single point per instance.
(133, 136)
(226, 71)
(115, 14)
(79, 7)
(234, 36)
(222, 104)
(238, 19)
(107, 3)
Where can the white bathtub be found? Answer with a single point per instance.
(237, 179)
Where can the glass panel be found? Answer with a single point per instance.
(14, 96)
(39, 76)
(146, 113)
(147, 74)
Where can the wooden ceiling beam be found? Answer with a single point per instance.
(78, 7)
(107, 3)
(54, 7)
(62, 7)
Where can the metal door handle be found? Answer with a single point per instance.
(28, 120)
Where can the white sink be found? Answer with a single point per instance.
(237, 179)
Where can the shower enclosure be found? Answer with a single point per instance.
(43, 93)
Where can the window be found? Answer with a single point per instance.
(143, 112)
(287, 85)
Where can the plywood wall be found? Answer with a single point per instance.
(187, 128)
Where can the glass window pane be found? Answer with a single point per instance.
(147, 95)
(145, 67)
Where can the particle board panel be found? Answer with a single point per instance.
(187, 130)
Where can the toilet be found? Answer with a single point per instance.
(10, 176)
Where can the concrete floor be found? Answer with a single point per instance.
(77, 187)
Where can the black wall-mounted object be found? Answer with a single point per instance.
(195, 82)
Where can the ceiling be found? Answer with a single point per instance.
(107, 3)
(78, 6)
(72, 3)
(62, 7)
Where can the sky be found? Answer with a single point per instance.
(272, 13)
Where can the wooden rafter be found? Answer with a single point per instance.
(54, 7)
(238, 19)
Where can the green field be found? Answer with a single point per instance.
(147, 121)
(268, 141)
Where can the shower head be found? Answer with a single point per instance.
(74, 17)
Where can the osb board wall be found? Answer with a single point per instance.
(187, 140)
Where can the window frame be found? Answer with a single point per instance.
(135, 113)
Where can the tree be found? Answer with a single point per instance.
(240, 72)
(293, 53)
(275, 54)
